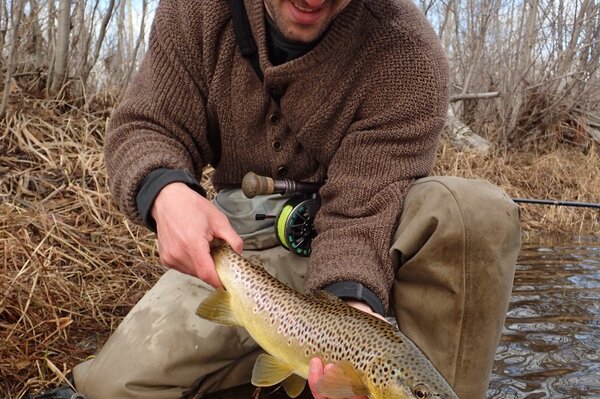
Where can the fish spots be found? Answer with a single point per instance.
(324, 326)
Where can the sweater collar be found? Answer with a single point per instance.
(341, 32)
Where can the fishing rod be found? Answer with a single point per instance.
(556, 203)
(253, 185)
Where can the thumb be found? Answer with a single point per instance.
(315, 372)
(206, 270)
(228, 234)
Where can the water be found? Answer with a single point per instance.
(550, 346)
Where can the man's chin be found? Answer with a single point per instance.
(302, 34)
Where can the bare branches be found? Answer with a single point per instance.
(16, 14)
(89, 63)
(69, 42)
(61, 56)
(475, 96)
(542, 55)
(140, 39)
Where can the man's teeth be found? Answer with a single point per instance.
(301, 8)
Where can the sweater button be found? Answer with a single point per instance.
(282, 171)
(274, 118)
(276, 145)
(275, 91)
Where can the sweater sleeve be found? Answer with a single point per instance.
(161, 122)
(392, 141)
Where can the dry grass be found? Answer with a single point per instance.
(72, 266)
(558, 173)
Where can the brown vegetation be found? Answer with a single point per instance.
(553, 171)
(71, 265)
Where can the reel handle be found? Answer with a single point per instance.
(253, 185)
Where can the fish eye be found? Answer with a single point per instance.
(421, 391)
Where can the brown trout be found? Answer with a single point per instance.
(373, 358)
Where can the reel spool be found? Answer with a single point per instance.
(294, 223)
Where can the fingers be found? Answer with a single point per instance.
(315, 372)
(205, 269)
(227, 233)
(364, 307)
(186, 223)
(191, 258)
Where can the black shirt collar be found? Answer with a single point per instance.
(281, 49)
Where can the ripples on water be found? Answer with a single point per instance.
(550, 346)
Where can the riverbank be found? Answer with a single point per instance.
(557, 172)
(72, 266)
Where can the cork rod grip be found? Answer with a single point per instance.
(253, 185)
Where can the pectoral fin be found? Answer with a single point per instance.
(217, 308)
(342, 381)
(269, 371)
(294, 385)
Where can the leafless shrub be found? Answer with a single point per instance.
(542, 55)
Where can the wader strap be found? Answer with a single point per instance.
(248, 49)
(243, 35)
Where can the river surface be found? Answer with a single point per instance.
(550, 346)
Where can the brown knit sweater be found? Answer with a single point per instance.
(362, 110)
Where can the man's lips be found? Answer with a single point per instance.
(304, 15)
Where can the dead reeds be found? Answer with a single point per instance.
(72, 266)
(554, 172)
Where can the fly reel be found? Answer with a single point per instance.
(294, 223)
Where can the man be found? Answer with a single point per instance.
(349, 93)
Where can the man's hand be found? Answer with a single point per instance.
(315, 372)
(316, 369)
(186, 223)
(364, 307)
